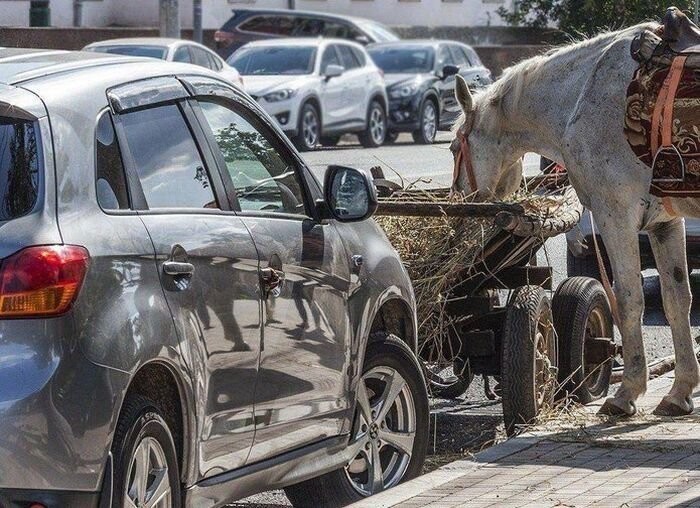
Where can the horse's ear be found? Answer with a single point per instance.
(463, 95)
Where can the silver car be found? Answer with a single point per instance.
(316, 89)
(170, 50)
(187, 316)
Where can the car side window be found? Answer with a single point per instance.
(330, 57)
(200, 57)
(460, 57)
(360, 56)
(347, 57)
(112, 192)
(182, 54)
(444, 57)
(275, 25)
(337, 30)
(263, 177)
(166, 159)
(214, 62)
(308, 27)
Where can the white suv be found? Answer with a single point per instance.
(316, 89)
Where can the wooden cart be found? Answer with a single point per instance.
(539, 349)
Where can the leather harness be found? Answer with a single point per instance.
(464, 156)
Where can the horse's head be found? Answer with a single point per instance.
(483, 162)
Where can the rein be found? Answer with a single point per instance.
(464, 156)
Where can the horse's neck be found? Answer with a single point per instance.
(548, 97)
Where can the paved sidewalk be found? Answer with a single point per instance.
(575, 461)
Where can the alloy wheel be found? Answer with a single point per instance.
(309, 126)
(377, 125)
(384, 433)
(148, 484)
(429, 121)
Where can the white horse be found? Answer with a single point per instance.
(569, 106)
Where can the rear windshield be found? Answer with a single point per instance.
(19, 167)
(274, 60)
(133, 50)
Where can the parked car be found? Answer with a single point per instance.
(186, 315)
(171, 50)
(248, 25)
(421, 84)
(316, 89)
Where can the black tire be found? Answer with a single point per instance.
(140, 419)
(330, 140)
(453, 390)
(391, 138)
(371, 137)
(528, 379)
(428, 113)
(587, 266)
(303, 142)
(581, 311)
(335, 488)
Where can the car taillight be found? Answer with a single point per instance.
(42, 280)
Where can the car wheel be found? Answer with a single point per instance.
(375, 132)
(309, 128)
(145, 461)
(391, 138)
(425, 135)
(390, 432)
(330, 140)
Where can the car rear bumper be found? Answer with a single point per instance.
(21, 498)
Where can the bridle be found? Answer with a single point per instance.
(464, 156)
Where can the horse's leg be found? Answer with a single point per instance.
(622, 244)
(668, 244)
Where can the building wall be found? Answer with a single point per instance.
(145, 12)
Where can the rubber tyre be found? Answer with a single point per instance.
(419, 136)
(365, 136)
(528, 309)
(454, 390)
(330, 140)
(586, 266)
(334, 489)
(391, 138)
(140, 417)
(575, 302)
(300, 140)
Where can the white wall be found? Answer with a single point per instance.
(145, 12)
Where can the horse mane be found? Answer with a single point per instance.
(514, 78)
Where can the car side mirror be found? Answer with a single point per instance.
(333, 71)
(362, 39)
(349, 194)
(449, 70)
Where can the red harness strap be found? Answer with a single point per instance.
(464, 156)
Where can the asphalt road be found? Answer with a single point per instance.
(467, 425)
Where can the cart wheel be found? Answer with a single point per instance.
(528, 357)
(584, 327)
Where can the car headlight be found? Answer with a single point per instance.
(280, 95)
(403, 91)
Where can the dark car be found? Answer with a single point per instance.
(421, 85)
(248, 25)
(186, 315)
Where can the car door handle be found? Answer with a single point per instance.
(272, 281)
(176, 268)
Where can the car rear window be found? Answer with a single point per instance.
(20, 167)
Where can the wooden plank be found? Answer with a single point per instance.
(429, 209)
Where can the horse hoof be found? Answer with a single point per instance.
(609, 408)
(668, 408)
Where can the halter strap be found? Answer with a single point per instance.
(464, 155)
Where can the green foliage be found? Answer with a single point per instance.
(589, 17)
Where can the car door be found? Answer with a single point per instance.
(335, 105)
(208, 266)
(449, 109)
(358, 82)
(302, 389)
(469, 72)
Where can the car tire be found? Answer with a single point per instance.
(428, 121)
(581, 314)
(587, 266)
(391, 138)
(387, 360)
(375, 132)
(330, 140)
(308, 128)
(144, 442)
(528, 357)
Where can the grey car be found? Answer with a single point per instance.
(187, 316)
